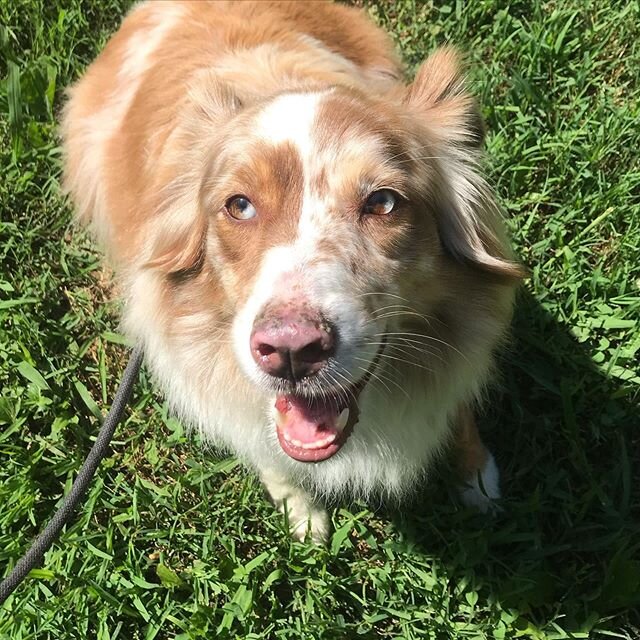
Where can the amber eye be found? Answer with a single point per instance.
(240, 208)
(381, 203)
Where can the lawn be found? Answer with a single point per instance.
(176, 542)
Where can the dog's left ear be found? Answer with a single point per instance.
(469, 220)
(439, 92)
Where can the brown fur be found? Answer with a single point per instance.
(272, 180)
(131, 174)
(471, 452)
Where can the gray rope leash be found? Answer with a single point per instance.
(99, 449)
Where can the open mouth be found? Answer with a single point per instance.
(314, 429)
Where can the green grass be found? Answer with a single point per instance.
(174, 542)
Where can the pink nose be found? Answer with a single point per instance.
(292, 346)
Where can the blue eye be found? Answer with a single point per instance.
(240, 208)
(381, 203)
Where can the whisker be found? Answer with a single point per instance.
(379, 376)
(394, 306)
(395, 314)
(400, 309)
(410, 344)
(425, 352)
(402, 349)
(415, 364)
(425, 337)
(382, 293)
(384, 379)
(375, 378)
(347, 392)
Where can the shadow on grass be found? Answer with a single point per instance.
(566, 545)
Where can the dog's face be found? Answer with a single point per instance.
(332, 224)
(318, 216)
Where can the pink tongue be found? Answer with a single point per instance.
(307, 423)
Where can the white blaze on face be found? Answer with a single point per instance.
(285, 273)
(291, 118)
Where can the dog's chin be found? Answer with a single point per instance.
(312, 421)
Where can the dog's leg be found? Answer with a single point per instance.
(476, 467)
(304, 514)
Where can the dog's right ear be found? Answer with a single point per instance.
(468, 217)
(178, 234)
(440, 95)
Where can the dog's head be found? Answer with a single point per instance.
(336, 225)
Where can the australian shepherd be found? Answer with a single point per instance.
(309, 255)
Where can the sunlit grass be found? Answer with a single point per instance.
(173, 542)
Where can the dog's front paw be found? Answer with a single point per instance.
(482, 489)
(304, 515)
(307, 519)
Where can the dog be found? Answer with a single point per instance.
(315, 267)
